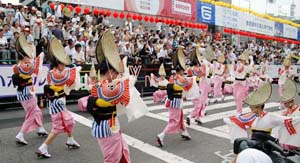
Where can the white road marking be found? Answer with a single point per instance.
(185, 103)
(192, 126)
(137, 144)
(221, 115)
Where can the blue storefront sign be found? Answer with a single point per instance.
(206, 13)
(278, 29)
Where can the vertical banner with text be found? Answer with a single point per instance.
(206, 13)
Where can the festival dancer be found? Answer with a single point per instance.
(61, 80)
(22, 78)
(219, 71)
(289, 91)
(284, 73)
(89, 82)
(240, 88)
(264, 76)
(260, 121)
(112, 94)
(174, 103)
(161, 83)
(195, 72)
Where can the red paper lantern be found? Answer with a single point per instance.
(78, 9)
(128, 15)
(62, 6)
(70, 7)
(185, 24)
(52, 6)
(146, 18)
(115, 14)
(107, 13)
(172, 21)
(122, 15)
(167, 21)
(134, 17)
(86, 10)
(156, 19)
(151, 19)
(102, 12)
(176, 22)
(140, 17)
(96, 11)
(162, 20)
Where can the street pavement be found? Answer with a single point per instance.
(209, 144)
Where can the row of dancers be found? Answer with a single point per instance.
(112, 93)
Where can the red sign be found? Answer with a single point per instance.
(180, 9)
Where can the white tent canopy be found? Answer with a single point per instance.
(10, 1)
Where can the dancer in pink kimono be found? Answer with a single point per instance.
(161, 83)
(90, 81)
(240, 88)
(195, 72)
(284, 73)
(174, 103)
(22, 78)
(110, 96)
(61, 80)
(219, 71)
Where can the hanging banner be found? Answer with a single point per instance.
(227, 17)
(206, 13)
(180, 9)
(256, 24)
(109, 4)
(290, 31)
(278, 29)
(7, 88)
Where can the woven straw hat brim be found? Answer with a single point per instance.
(58, 52)
(110, 51)
(289, 91)
(23, 47)
(209, 55)
(287, 62)
(259, 96)
(198, 55)
(162, 70)
(99, 51)
(244, 56)
(181, 58)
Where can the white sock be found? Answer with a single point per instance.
(161, 135)
(20, 135)
(70, 140)
(43, 148)
(42, 130)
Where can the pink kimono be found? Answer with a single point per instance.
(240, 87)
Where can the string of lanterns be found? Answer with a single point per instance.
(135, 16)
(259, 36)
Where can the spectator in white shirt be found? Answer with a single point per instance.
(70, 49)
(3, 48)
(126, 51)
(163, 54)
(78, 57)
(58, 9)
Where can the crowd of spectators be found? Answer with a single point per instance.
(143, 44)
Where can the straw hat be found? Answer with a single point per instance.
(196, 55)
(22, 46)
(245, 55)
(93, 71)
(287, 61)
(162, 70)
(289, 91)
(179, 58)
(57, 51)
(259, 96)
(209, 54)
(108, 49)
(221, 58)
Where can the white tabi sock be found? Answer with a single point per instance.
(43, 148)
(42, 130)
(161, 135)
(70, 140)
(20, 136)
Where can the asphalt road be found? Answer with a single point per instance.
(209, 144)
